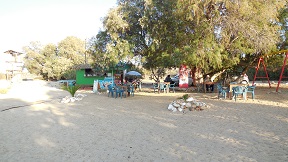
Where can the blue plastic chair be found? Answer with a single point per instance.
(119, 92)
(251, 89)
(200, 87)
(131, 90)
(110, 91)
(239, 90)
(221, 91)
(172, 86)
(162, 87)
(155, 86)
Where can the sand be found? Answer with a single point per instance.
(35, 126)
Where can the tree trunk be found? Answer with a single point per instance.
(216, 75)
(196, 75)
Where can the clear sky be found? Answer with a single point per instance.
(49, 21)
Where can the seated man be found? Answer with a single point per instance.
(209, 86)
(245, 79)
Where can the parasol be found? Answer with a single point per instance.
(133, 73)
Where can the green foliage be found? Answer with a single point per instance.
(283, 15)
(71, 89)
(184, 97)
(101, 58)
(70, 75)
(73, 49)
(208, 35)
(54, 62)
(34, 61)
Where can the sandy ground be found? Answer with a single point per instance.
(35, 126)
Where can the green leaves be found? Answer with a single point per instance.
(51, 61)
(71, 89)
(207, 35)
(73, 49)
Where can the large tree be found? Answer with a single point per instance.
(130, 37)
(283, 20)
(222, 31)
(72, 48)
(34, 60)
(53, 62)
(209, 35)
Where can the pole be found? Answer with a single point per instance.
(261, 60)
(112, 78)
(266, 74)
(257, 68)
(282, 71)
(85, 52)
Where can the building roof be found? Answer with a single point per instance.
(82, 66)
(13, 52)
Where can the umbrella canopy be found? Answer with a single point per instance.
(133, 73)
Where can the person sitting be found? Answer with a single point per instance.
(168, 79)
(209, 86)
(245, 79)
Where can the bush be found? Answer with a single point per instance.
(69, 75)
(71, 89)
(184, 97)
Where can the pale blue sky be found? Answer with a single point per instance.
(49, 21)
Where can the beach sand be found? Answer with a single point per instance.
(36, 126)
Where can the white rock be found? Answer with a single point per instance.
(65, 100)
(176, 105)
(170, 107)
(188, 104)
(190, 99)
(174, 109)
(72, 99)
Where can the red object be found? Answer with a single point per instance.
(261, 60)
(183, 77)
(282, 71)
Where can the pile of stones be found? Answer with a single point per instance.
(77, 97)
(191, 104)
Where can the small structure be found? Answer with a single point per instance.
(12, 64)
(261, 60)
(85, 75)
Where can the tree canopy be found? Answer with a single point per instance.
(210, 35)
(53, 62)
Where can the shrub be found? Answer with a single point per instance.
(71, 89)
(71, 74)
(184, 97)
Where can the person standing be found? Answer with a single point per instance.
(168, 79)
(209, 86)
